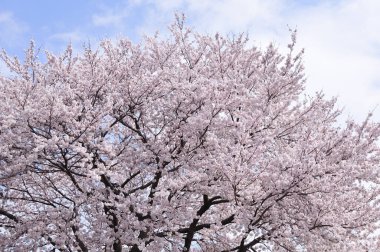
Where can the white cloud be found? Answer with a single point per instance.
(342, 53)
(68, 36)
(11, 30)
(6, 18)
(108, 18)
(114, 17)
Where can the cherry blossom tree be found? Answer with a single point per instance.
(186, 143)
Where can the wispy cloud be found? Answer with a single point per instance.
(116, 17)
(11, 30)
(109, 18)
(72, 36)
(342, 52)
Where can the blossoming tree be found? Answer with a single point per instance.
(190, 143)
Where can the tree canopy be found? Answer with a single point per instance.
(186, 143)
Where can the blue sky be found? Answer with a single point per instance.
(341, 37)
